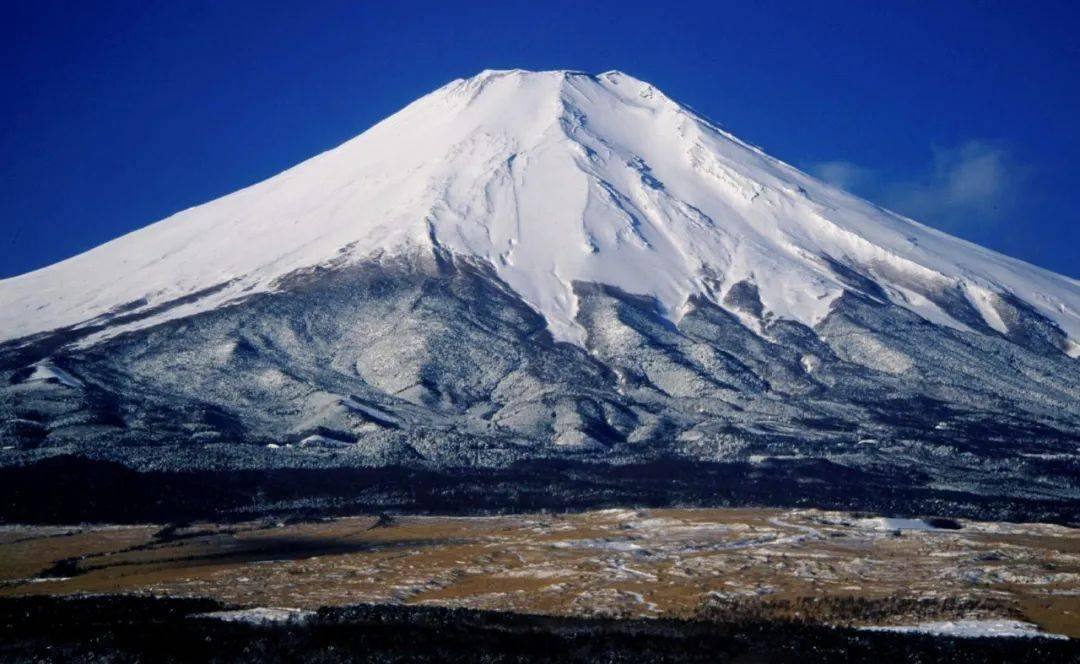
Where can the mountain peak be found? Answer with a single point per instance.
(553, 178)
(550, 73)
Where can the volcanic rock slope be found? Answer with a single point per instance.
(547, 264)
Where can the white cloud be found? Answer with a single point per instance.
(843, 174)
(972, 184)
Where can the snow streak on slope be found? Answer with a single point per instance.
(552, 177)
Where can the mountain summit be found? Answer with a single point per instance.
(550, 265)
(552, 178)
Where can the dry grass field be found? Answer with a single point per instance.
(820, 566)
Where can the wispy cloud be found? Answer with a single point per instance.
(971, 184)
(843, 174)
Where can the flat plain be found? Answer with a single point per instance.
(823, 567)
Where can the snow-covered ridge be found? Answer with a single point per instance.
(552, 177)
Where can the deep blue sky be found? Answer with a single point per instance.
(114, 115)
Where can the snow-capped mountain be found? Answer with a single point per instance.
(546, 263)
(552, 178)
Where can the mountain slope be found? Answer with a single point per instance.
(548, 265)
(552, 177)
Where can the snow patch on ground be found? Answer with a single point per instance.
(972, 629)
(609, 545)
(324, 442)
(260, 615)
(890, 523)
(45, 371)
(896, 524)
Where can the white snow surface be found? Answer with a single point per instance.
(260, 615)
(973, 629)
(552, 177)
(46, 370)
(895, 523)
